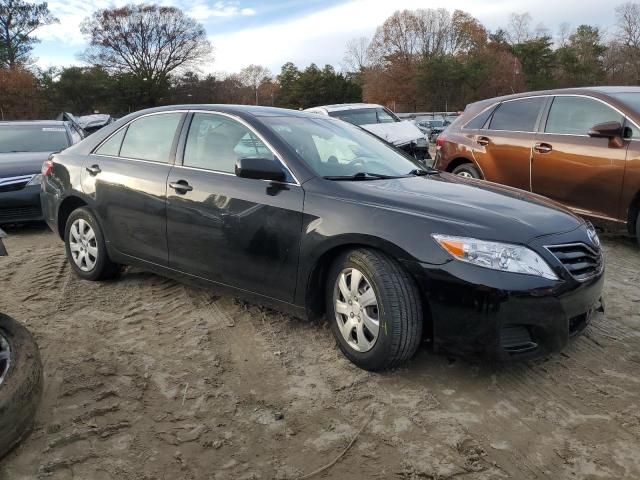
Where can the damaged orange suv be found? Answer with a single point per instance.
(580, 147)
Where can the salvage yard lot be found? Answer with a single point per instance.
(147, 378)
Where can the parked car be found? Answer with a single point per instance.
(24, 146)
(383, 123)
(20, 379)
(580, 147)
(319, 218)
(432, 128)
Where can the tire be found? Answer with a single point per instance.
(638, 229)
(21, 387)
(96, 265)
(468, 170)
(398, 310)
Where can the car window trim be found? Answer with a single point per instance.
(616, 109)
(249, 127)
(172, 154)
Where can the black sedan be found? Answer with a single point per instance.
(319, 218)
(24, 146)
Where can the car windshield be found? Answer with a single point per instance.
(365, 116)
(32, 138)
(337, 149)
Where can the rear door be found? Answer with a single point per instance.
(235, 231)
(573, 168)
(503, 150)
(127, 178)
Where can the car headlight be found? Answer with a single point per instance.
(495, 255)
(35, 180)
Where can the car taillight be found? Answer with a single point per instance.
(440, 140)
(47, 168)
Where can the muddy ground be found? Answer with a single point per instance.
(150, 379)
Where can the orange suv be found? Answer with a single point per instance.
(580, 147)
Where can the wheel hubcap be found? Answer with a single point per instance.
(83, 245)
(356, 309)
(5, 358)
(465, 174)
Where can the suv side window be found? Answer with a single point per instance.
(151, 137)
(576, 115)
(517, 115)
(216, 142)
(480, 120)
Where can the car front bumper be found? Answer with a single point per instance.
(505, 316)
(20, 205)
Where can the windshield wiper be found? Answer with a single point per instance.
(419, 172)
(360, 176)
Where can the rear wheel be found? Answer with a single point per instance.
(374, 309)
(467, 170)
(85, 247)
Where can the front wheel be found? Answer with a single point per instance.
(467, 170)
(374, 309)
(85, 247)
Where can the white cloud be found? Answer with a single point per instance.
(203, 10)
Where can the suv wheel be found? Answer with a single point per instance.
(467, 170)
(85, 247)
(374, 309)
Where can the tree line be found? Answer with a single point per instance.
(427, 59)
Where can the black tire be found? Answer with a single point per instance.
(638, 229)
(104, 268)
(399, 309)
(21, 389)
(467, 170)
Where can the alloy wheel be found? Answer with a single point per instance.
(83, 245)
(465, 174)
(357, 311)
(5, 357)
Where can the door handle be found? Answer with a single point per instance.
(484, 141)
(93, 170)
(181, 186)
(542, 147)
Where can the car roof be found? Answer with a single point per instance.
(347, 106)
(241, 110)
(42, 123)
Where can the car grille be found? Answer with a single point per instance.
(12, 184)
(582, 261)
(19, 213)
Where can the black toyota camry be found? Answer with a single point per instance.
(316, 217)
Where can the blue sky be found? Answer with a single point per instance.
(273, 32)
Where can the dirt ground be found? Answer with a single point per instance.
(150, 379)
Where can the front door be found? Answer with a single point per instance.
(235, 231)
(127, 178)
(569, 166)
(504, 148)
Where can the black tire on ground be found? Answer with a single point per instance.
(104, 268)
(21, 389)
(467, 170)
(638, 228)
(399, 309)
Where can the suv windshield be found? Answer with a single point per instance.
(365, 116)
(32, 138)
(336, 149)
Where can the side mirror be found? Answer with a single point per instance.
(260, 169)
(606, 130)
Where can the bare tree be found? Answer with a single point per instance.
(357, 55)
(519, 29)
(564, 32)
(18, 21)
(254, 76)
(147, 41)
(628, 23)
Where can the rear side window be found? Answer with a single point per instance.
(576, 115)
(517, 115)
(480, 120)
(112, 146)
(151, 138)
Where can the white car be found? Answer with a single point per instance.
(382, 123)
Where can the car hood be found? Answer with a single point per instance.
(23, 163)
(467, 207)
(398, 133)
